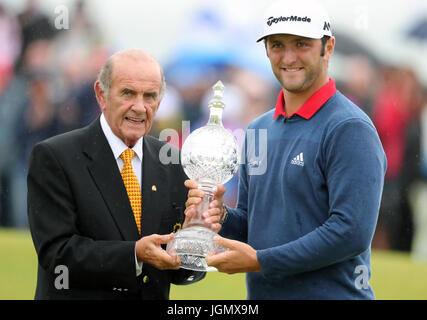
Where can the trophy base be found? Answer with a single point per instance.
(193, 245)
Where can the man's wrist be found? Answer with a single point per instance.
(138, 264)
(224, 215)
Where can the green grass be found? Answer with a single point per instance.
(18, 265)
(395, 276)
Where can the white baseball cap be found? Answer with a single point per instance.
(306, 18)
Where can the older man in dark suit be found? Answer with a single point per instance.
(101, 204)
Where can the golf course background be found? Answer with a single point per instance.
(394, 275)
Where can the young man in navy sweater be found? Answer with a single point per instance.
(308, 203)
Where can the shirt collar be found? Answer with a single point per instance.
(312, 105)
(116, 144)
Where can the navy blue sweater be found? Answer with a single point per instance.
(309, 194)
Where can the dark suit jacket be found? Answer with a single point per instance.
(80, 217)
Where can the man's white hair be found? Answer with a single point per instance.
(104, 78)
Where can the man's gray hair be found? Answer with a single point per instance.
(104, 78)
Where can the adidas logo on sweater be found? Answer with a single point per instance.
(298, 160)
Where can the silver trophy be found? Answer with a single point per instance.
(210, 157)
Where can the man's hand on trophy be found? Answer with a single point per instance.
(148, 250)
(240, 257)
(216, 208)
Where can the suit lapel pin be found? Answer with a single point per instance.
(176, 227)
(154, 188)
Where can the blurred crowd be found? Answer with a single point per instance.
(46, 88)
(46, 84)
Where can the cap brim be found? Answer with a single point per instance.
(311, 36)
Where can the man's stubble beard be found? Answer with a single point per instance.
(310, 77)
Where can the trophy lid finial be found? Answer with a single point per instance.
(218, 99)
(218, 90)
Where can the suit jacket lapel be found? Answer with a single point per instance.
(104, 171)
(152, 173)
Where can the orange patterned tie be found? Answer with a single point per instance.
(132, 185)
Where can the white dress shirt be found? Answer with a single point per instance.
(118, 146)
